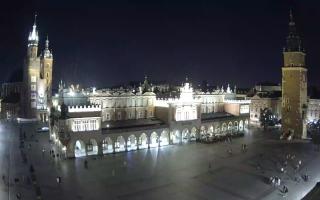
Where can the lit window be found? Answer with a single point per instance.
(33, 79)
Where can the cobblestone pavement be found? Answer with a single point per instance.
(188, 171)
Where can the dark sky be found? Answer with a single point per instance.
(104, 43)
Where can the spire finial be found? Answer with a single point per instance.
(35, 19)
(291, 22)
(47, 42)
(33, 35)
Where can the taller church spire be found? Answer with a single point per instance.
(33, 38)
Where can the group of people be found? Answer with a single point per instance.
(244, 149)
(275, 181)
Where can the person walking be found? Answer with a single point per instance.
(18, 195)
(86, 164)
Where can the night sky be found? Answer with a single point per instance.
(103, 43)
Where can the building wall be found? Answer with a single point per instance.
(294, 94)
(124, 106)
(313, 111)
(260, 103)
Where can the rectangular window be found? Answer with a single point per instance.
(33, 87)
(33, 95)
(33, 104)
(33, 79)
(108, 116)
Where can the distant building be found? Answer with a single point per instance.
(10, 106)
(11, 95)
(267, 87)
(265, 95)
(313, 110)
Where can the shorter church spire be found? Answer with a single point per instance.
(47, 53)
(47, 43)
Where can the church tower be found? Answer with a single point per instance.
(46, 71)
(32, 73)
(294, 85)
(37, 78)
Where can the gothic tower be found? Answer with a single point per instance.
(37, 78)
(294, 85)
(46, 71)
(31, 73)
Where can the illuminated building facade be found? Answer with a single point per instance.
(37, 78)
(97, 122)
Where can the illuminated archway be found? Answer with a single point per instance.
(132, 143)
(185, 135)
(224, 128)
(79, 148)
(236, 126)
(120, 144)
(143, 141)
(164, 138)
(193, 135)
(154, 142)
(203, 132)
(241, 125)
(176, 137)
(217, 129)
(230, 126)
(92, 147)
(107, 145)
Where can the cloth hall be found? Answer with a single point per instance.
(101, 121)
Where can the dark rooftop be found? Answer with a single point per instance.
(133, 123)
(218, 115)
(12, 98)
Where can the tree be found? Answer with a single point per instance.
(267, 118)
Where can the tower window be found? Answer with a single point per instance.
(33, 79)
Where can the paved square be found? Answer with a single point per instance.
(189, 171)
(237, 183)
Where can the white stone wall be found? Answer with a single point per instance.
(124, 106)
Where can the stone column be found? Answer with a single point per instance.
(70, 152)
(113, 148)
(100, 151)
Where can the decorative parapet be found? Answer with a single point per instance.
(164, 102)
(237, 101)
(84, 108)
